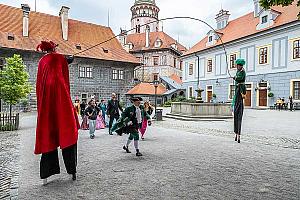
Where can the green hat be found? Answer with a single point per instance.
(240, 61)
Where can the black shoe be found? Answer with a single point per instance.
(235, 138)
(239, 141)
(138, 154)
(74, 177)
(92, 136)
(126, 149)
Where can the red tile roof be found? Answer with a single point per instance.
(147, 89)
(176, 78)
(246, 25)
(48, 27)
(139, 41)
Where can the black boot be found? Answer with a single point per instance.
(126, 149)
(74, 176)
(138, 153)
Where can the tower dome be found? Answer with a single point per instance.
(143, 12)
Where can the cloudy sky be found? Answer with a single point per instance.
(188, 32)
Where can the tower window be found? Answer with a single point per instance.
(264, 19)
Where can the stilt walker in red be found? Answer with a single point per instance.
(57, 122)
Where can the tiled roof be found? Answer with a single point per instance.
(171, 82)
(48, 27)
(246, 25)
(147, 89)
(139, 41)
(176, 78)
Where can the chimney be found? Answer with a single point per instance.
(222, 19)
(147, 36)
(26, 10)
(64, 16)
(257, 8)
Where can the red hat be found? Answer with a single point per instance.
(46, 46)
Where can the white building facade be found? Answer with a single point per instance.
(269, 41)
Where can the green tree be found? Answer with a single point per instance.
(14, 84)
(269, 3)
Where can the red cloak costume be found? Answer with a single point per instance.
(57, 122)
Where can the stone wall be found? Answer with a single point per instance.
(101, 83)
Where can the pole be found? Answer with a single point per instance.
(35, 5)
(155, 99)
(198, 80)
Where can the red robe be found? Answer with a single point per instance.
(57, 122)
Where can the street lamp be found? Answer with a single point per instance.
(155, 83)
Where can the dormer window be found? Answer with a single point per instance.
(10, 36)
(264, 19)
(158, 43)
(210, 38)
(174, 46)
(105, 50)
(130, 45)
(78, 46)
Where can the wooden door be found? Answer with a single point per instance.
(263, 97)
(248, 98)
(209, 96)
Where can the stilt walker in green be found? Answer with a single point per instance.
(130, 122)
(238, 100)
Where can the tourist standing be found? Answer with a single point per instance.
(103, 108)
(77, 106)
(92, 112)
(149, 110)
(238, 101)
(82, 109)
(291, 102)
(113, 107)
(57, 122)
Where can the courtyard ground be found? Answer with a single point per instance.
(182, 160)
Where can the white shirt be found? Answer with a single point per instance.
(138, 114)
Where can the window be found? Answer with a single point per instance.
(78, 46)
(1, 63)
(190, 92)
(84, 97)
(81, 72)
(85, 72)
(121, 74)
(263, 55)
(296, 90)
(138, 28)
(231, 91)
(232, 61)
(155, 60)
(209, 65)
(191, 69)
(210, 38)
(140, 59)
(175, 62)
(296, 49)
(180, 65)
(89, 72)
(146, 60)
(264, 19)
(155, 77)
(164, 60)
(115, 74)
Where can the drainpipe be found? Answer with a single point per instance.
(198, 79)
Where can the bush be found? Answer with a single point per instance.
(214, 96)
(179, 99)
(24, 102)
(271, 94)
(168, 103)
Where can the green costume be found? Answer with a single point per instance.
(129, 115)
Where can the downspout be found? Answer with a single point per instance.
(198, 78)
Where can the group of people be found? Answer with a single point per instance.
(58, 123)
(281, 104)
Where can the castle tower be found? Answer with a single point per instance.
(143, 12)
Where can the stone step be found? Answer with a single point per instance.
(196, 118)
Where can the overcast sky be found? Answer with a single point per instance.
(188, 32)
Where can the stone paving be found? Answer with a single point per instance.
(182, 160)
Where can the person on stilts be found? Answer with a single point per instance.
(238, 100)
(57, 121)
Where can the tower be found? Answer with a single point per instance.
(143, 12)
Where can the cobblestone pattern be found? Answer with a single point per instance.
(175, 165)
(9, 165)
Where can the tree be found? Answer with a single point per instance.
(14, 84)
(269, 3)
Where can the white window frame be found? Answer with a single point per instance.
(115, 74)
(292, 88)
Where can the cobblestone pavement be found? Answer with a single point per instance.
(9, 156)
(280, 128)
(177, 164)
